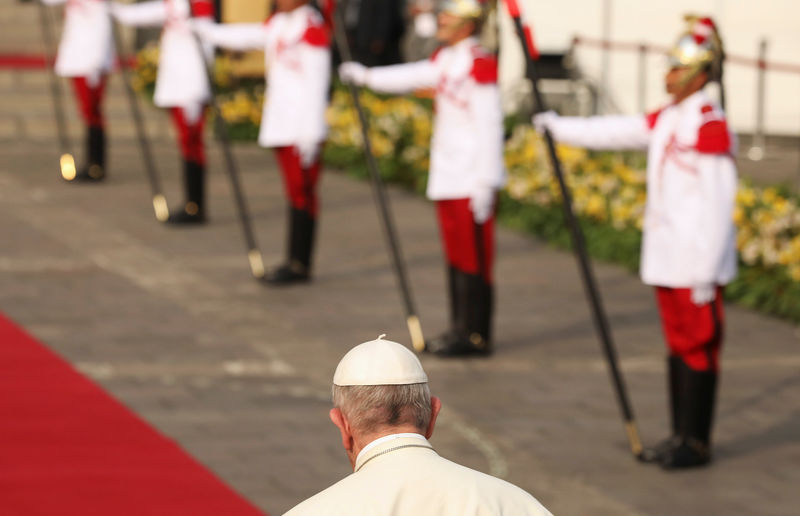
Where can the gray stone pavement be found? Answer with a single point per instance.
(170, 322)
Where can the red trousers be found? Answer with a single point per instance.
(469, 247)
(693, 333)
(90, 100)
(300, 183)
(190, 135)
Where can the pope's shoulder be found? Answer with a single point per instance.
(432, 485)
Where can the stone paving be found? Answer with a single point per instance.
(170, 322)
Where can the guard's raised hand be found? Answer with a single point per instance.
(542, 121)
(353, 73)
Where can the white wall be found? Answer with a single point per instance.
(742, 24)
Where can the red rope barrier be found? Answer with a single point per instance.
(40, 62)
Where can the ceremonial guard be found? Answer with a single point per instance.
(688, 246)
(181, 86)
(295, 41)
(466, 164)
(85, 55)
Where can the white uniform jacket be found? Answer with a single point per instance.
(689, 237)
(87, 45)
(298, 64)
(406, 477)
(182, 80)
(467, 142)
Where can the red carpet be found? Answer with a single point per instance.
(69, 448)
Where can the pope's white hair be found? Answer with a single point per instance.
(373, 407)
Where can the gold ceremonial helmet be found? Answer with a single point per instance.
(469, 9)
(699, 47)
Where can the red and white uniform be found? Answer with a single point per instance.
(297, 55)
(182, 82)
(86, 53)
(689, 239)
(87, 46)
(182, 79)
(467, 142)
(298, 65)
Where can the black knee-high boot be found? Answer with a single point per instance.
(472, 312)
(481, 307)
(95, 168)
(697, 396)
(297, 269)
(454, 340)
(193, 211)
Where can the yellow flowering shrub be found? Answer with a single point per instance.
(400, 128)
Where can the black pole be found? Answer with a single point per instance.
(221, 128)
(159, 201)
(67, 160)
(579, 245)
(379, 193)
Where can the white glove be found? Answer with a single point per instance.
(545, 120)
(481, 202)
(703, 294)
(425, 24)
(353, 73)
(308, 153)
(116, 11)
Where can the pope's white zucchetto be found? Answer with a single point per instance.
(379, 362)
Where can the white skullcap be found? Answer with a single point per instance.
(379, 362)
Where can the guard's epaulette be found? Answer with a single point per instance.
(652, 118)
(202, 8)
(484, 67)
(713, 136)
(317, 35)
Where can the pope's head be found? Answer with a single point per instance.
(380, 388)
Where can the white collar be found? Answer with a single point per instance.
(386, 438)
(695, 99)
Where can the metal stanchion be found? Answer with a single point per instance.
(757, 149)
(642, 78)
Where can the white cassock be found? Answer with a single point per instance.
(404, 476)
(182, 80)
(689, 237)
(467, 142)
(87, 46)
(298, 62)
